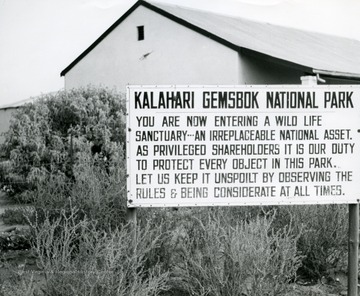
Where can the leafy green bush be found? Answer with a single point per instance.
(46, 136)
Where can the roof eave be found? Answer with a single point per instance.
(337, 74)
(9, 107)
(276, 60)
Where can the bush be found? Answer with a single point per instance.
(210, 257)
(324, 241)
(16, 240)
(323, 235)
(45, 137)
(98, 192)
(17, 215)
(66, 152)
(319, 231)
(78, 259)
(17, 287)
(322, 232)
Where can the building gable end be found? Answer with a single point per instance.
(159, 11)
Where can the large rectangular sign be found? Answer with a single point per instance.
(242, 145)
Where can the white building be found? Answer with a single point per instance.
(165, 44)
(6, 112)
(5, 116)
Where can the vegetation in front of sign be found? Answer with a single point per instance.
(244, 258)
(324, 241)
(79, 230)
(46, 137)
(322, 232)
(183, 252)
(79, 259)
(98, 191)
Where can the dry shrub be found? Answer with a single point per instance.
(213, 258)
(324, 239)
(18, 287)
(45, 136)
(98, 190)
(322, 231)
(78, 259)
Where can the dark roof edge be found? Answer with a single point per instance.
(336, 74)
(161, 12)
(97, 41)
(10, 107)
(272, 59)
(226, 43)
(191, 26)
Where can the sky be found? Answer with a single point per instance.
(40, 38)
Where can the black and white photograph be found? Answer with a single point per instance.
(179, 147)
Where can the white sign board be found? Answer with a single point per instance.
(242, 145)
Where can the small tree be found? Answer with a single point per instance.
(47, 137)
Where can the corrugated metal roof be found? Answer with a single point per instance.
(310, 49)
(333, 55)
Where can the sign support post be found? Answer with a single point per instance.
(131, 219)
(130, 212)
(353, 256)
(131, 215)
(353, 242)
